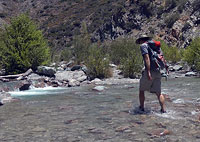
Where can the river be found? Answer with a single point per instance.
(80, 114)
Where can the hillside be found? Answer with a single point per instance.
(175, 21)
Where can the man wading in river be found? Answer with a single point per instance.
(151, 77)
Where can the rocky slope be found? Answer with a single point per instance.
(175, 21)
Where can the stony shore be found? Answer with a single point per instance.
(66, 75)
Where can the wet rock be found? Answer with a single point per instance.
(4, 79)
(99, 88)
(6, 98)
(97, 131)
(159, 132)
(177, 67)
(9, 100)
(25, 86)
(73, 83)
(47, 71)
(96, 81)
(2, 72)
(122, 128)
(68, 121)
(40, 85)
(4, 95)
(189, 74)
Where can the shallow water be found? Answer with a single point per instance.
(82, 115)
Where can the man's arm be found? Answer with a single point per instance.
(147, 64)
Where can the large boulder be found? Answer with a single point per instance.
(189, 74)
(69, 75)
(47, 71)
(177, 67)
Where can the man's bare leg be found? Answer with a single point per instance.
(161, 99)
(141, 98)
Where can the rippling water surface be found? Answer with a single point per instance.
(83, 115)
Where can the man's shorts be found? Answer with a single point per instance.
(154, 85)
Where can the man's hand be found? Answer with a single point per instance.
(149, 75)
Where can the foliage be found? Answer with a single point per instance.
(98, 63)
(66, 55)
(81, 44)
(192, 54)
(126, 53)
(23, 46)
(132, 64)
(172, 54)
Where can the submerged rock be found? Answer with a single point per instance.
(99, 88)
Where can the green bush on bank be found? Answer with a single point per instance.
(81, 45)
(23, 46)
(172, 54)
(132, 64)
(98, 63)
(66, 54)
(126, 53)
(192, 54)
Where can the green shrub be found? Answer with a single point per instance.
(118, 49)
(192, 54)
(23, 46)
(66, 55)
(172, 54)
(81, 45)
(126, 53)
(132, 64)
(98, 63)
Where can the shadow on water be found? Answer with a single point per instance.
(138, 111)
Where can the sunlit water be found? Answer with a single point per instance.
(82, 115)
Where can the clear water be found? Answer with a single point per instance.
(83, 115)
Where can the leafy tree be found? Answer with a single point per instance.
(192, 53)
(23, 46)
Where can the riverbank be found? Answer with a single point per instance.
(67, 75)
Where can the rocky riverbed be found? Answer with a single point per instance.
(81, 113)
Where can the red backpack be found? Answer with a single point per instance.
(157, 55)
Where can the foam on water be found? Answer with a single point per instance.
(38, 91)
(171, 114)
(179, 101)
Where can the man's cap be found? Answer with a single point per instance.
(143, 37)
